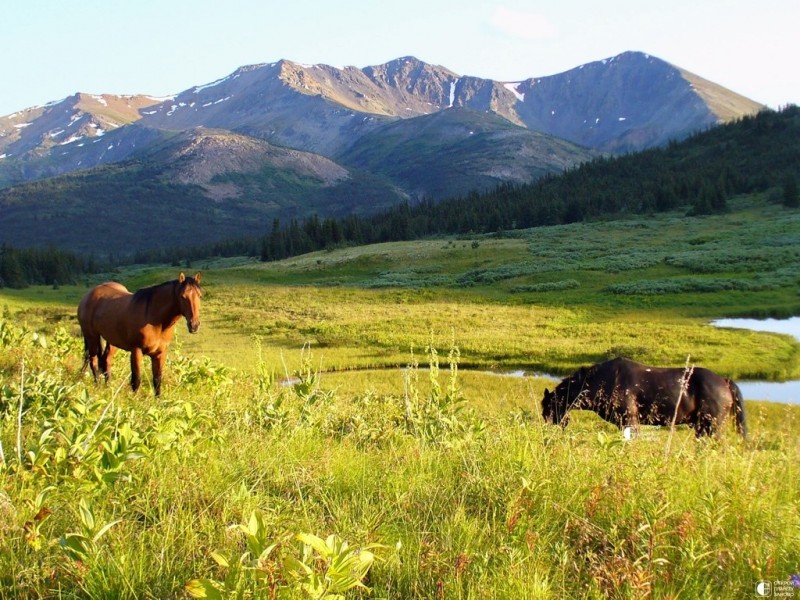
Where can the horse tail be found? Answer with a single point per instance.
(738, 408)
(85, 354)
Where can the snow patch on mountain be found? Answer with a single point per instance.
(200, 88)
(512, 87)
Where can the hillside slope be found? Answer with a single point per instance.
(193, 187)
(457, 151)
(237, 184)
(285, 140)
(755, 156)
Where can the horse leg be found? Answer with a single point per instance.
(704, 426)
(630, 418)
(157, 361)
(136, 376)
(91, 350)
(105, 360)
(707, 424)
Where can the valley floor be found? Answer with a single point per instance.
(347, 394)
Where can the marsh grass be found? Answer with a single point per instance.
(548, 299)
(123, 496)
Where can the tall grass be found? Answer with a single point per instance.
(232, 484)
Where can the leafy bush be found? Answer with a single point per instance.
(196, 371)
(406, 279)
(550, 286)
(486, 276)
(689, 284)
(266, 408)
(740, 260)
(441, 417)
(366, 419)
(626, 262)
(324, 570)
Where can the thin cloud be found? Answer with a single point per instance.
(523, 25)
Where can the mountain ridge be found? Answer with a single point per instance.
(284, 140)
(258, 99)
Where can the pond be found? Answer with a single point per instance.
(787, 391)
(788, 326)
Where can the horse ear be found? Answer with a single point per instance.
(181, 277)
(197, 277)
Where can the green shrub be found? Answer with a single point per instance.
(550, 286)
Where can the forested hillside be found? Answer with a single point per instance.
(756, 154)
(759, 154)
(752, 155)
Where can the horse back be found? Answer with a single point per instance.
(99, 293)
(102, 305)
(652, 393)
(665, 381)
(626, 375)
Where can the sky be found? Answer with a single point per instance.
(54, 48)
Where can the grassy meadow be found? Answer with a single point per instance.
(341, 422)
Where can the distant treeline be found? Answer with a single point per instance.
(753, 154)
(21, 267)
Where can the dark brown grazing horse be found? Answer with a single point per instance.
(628, 393)
(142, 323)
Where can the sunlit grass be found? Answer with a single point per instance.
(498, 506)
(372, 328)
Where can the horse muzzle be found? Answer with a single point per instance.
(193, 326)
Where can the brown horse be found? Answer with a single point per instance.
(141, 323)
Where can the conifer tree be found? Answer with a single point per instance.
(791, 196)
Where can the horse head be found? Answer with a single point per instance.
(548, 406)
(189, 294)
(566, 395)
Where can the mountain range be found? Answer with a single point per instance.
(282, 140)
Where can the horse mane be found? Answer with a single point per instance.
(145, 295)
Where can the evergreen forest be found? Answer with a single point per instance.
(756, 154)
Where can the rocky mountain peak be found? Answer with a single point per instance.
(623, 103)
(69, 122)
